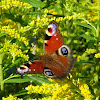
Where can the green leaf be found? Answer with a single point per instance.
(3, 34)
(83, 61)
(35, 3)
(85, 25)
(35, 79)
(1, 71)
(87, 37)
(16, 19)
(23, 92)
(18, 80)
(17, 61)
(39, 79)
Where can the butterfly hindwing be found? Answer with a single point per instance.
(31, 67)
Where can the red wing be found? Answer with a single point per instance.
(31, 67)
(53, 39)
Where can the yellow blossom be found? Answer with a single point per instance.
(89, 51)
(97, 55)
(11, 98)
(54, 13)
(87, 66)
(94, 18)
(7, 4)
(14, 34)
(51, 10)
(85, 91)
(78, 58)
(13, 49)
(46, 11)
(55, 91)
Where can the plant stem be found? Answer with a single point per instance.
(98, 24)
(1, 72)
(97, 60)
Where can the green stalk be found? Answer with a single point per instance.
(1, 58)
(97, 60)
(1, 72)
(98, 25)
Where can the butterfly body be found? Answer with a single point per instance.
(57, 60)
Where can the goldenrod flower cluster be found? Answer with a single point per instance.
(60, 90)
(13, 49)
(85, 92)
(97, 55)
(14, 34)
(11, 98)
(7, 4)
(93, 17)
(57, 91)
(44, 20)
(90, 51)
(78, 58)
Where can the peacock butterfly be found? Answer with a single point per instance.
(57, 60)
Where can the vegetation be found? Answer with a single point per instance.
(23, 22)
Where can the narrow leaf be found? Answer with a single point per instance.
(39, 80)
(87, 37)
(18, 80)
(83, 61)
(3, 34)
(35, 3)
(85, 25)
(17, 61)
(23, 92)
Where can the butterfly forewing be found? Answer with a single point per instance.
(53, 39)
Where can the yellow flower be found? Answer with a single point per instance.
(55, 91)
(54, 13)
(11, 98)
(14, 34)
(46, 11)
(94, 18)
(87, 66)
(51, 10)
(99, 44)
(85, 91)
(78, 58)
(83, 21)
(32, 23)
(14, 50)
(7, 4)
(97, 55)
(89, 51)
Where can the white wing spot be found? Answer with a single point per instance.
(33, 69)
(55, 34)
(56, 38)
(29, 70)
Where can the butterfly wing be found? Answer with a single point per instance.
(53, 38)
(31, 67)
(59, 63)
(58, 58)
